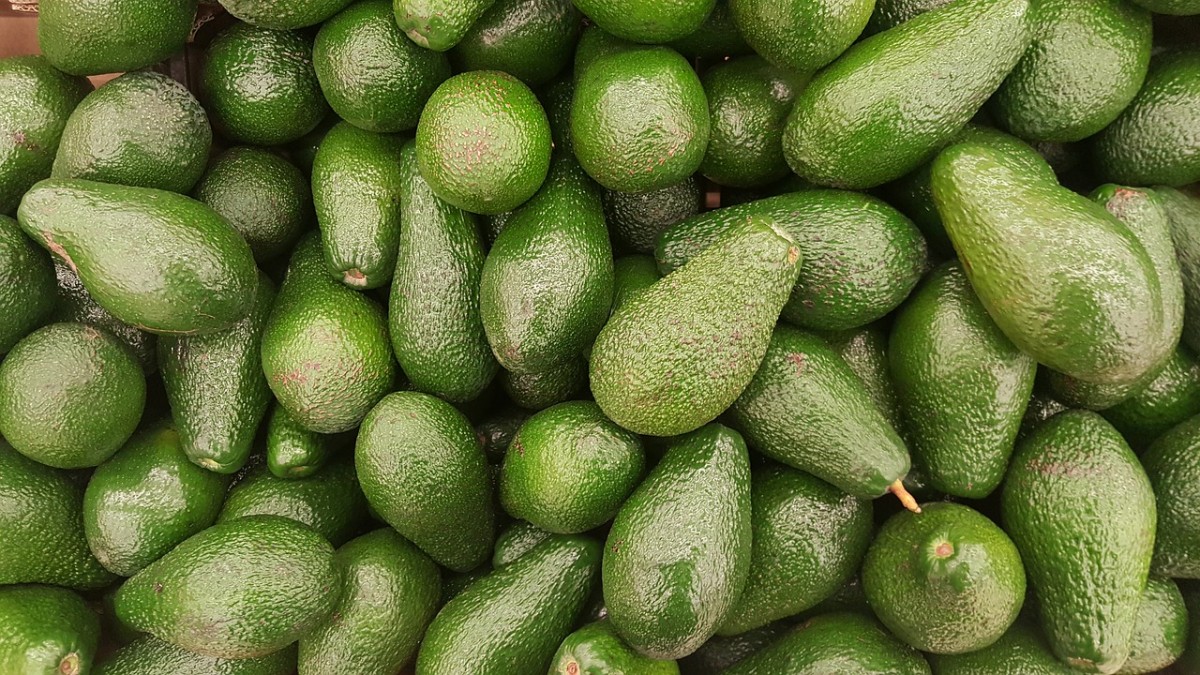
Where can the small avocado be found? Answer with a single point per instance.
(389, 595)
(647, 21)
(1172, 397)
(70, 395)
(48, 630)
(28, 292)
(141, 129)
(1160, 631)
(292, 450)
(801, 36)
(112, 36)
(283, 16)
(597, 649)
(1020, 651)
(1173, 465)
(146, 499)
(678, 554)
(636, 219)
(541, 389)
(1087, 554)
(438, 25)
(223, 593)
(147, 655)
(841, 642)
(532, 40)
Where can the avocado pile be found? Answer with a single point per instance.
(406, 340)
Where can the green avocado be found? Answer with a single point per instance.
(329, 501)
(647, 21)
(1160, 633)
(292, 450)
(841, 642)
(28, 293)
(597, 649)
(532, 40)
(1173, 465)
(147, 655)
(283, 16)
(93, 37)
(438, 25)
(48, 631)
(1020, 651)
(801, 36)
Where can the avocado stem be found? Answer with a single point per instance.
(905, 498)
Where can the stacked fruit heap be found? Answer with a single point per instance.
(368, 391)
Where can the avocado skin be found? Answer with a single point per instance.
(515, 541)
(292, 450)
(327, 385)
(92, 37)
(1145, 145)
(241, 589)
(1169, 399)
(636, 219)
(373, 76)
(546, 285)
(808, 539)
(596, 649)
(329, 501)
(284, 16)
(861, 257)
(963, 386)
(1171, 8)
(674, 357)
(806, 408)
(147, 655)
(357, 182)
(678, 554)
(75, 304)
(1087, 556)
(42, 509)
(36, 99)
(424, 473)
(1020, 651)
(147, 499)
(857, 105)
(196, 273)
(141, 129)
(28, 293)
(539, 390)
(389, 596)
(532, 40)
(216, 387)
(47, 630)
(837, 642)
(433, 313)
(719, 653)
(1084, 65)
(801, 36)
(1190, 660)
(438, 25)
(510, 621)
(70, 395)
(632, 275)
(715, 39)
(1160, 633)
(892, 13)
(1174, 472)
(1183, 214)
(1101, 325)
(865, 351)
(647, 21)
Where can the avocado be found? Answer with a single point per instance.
(541, 389)
(259, 85)
(28, 292)
(497, 430)
(636, 219)
(546, 287)
(721, 653)
(43, 515)
(632, 275)
(433, 315)
(223, 593)
(196, 273)
(890, 91)
(748, 101)
(861, 257)
(1160, 632)
(841, 642)
(1170, 398)
(147, 655)
(75, 304)
(70, 395)
(647, 21)
(325, 348)
(1020, 651)
(673, 358)
(800, 35)
(556, 100)
(142, 129)
(678, 554)
(532, 40)
(1147, 144)
(1085, 63)
(438, 25)
(483, 142)
(809, 539)
(892, 13)
(806, 408)
(865, 351)
(1093, 310)
(146, 499)
(569, 468)
(596, 649)
(1087, 555)
(1174, 471)
(715, 39)
(962, 385)
(216, 387)
(373, 76)
(47, 630)
(425, 474)
(595, 42)
(283, 16)
(1183, 214)
(515, 541)
(946, 581)
(329, 501)
(510, 621)
(357, 180)
(292, 450)
(111, 36)
(389, 595)
(1171, 8)
(35, 101)
(639, 120)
